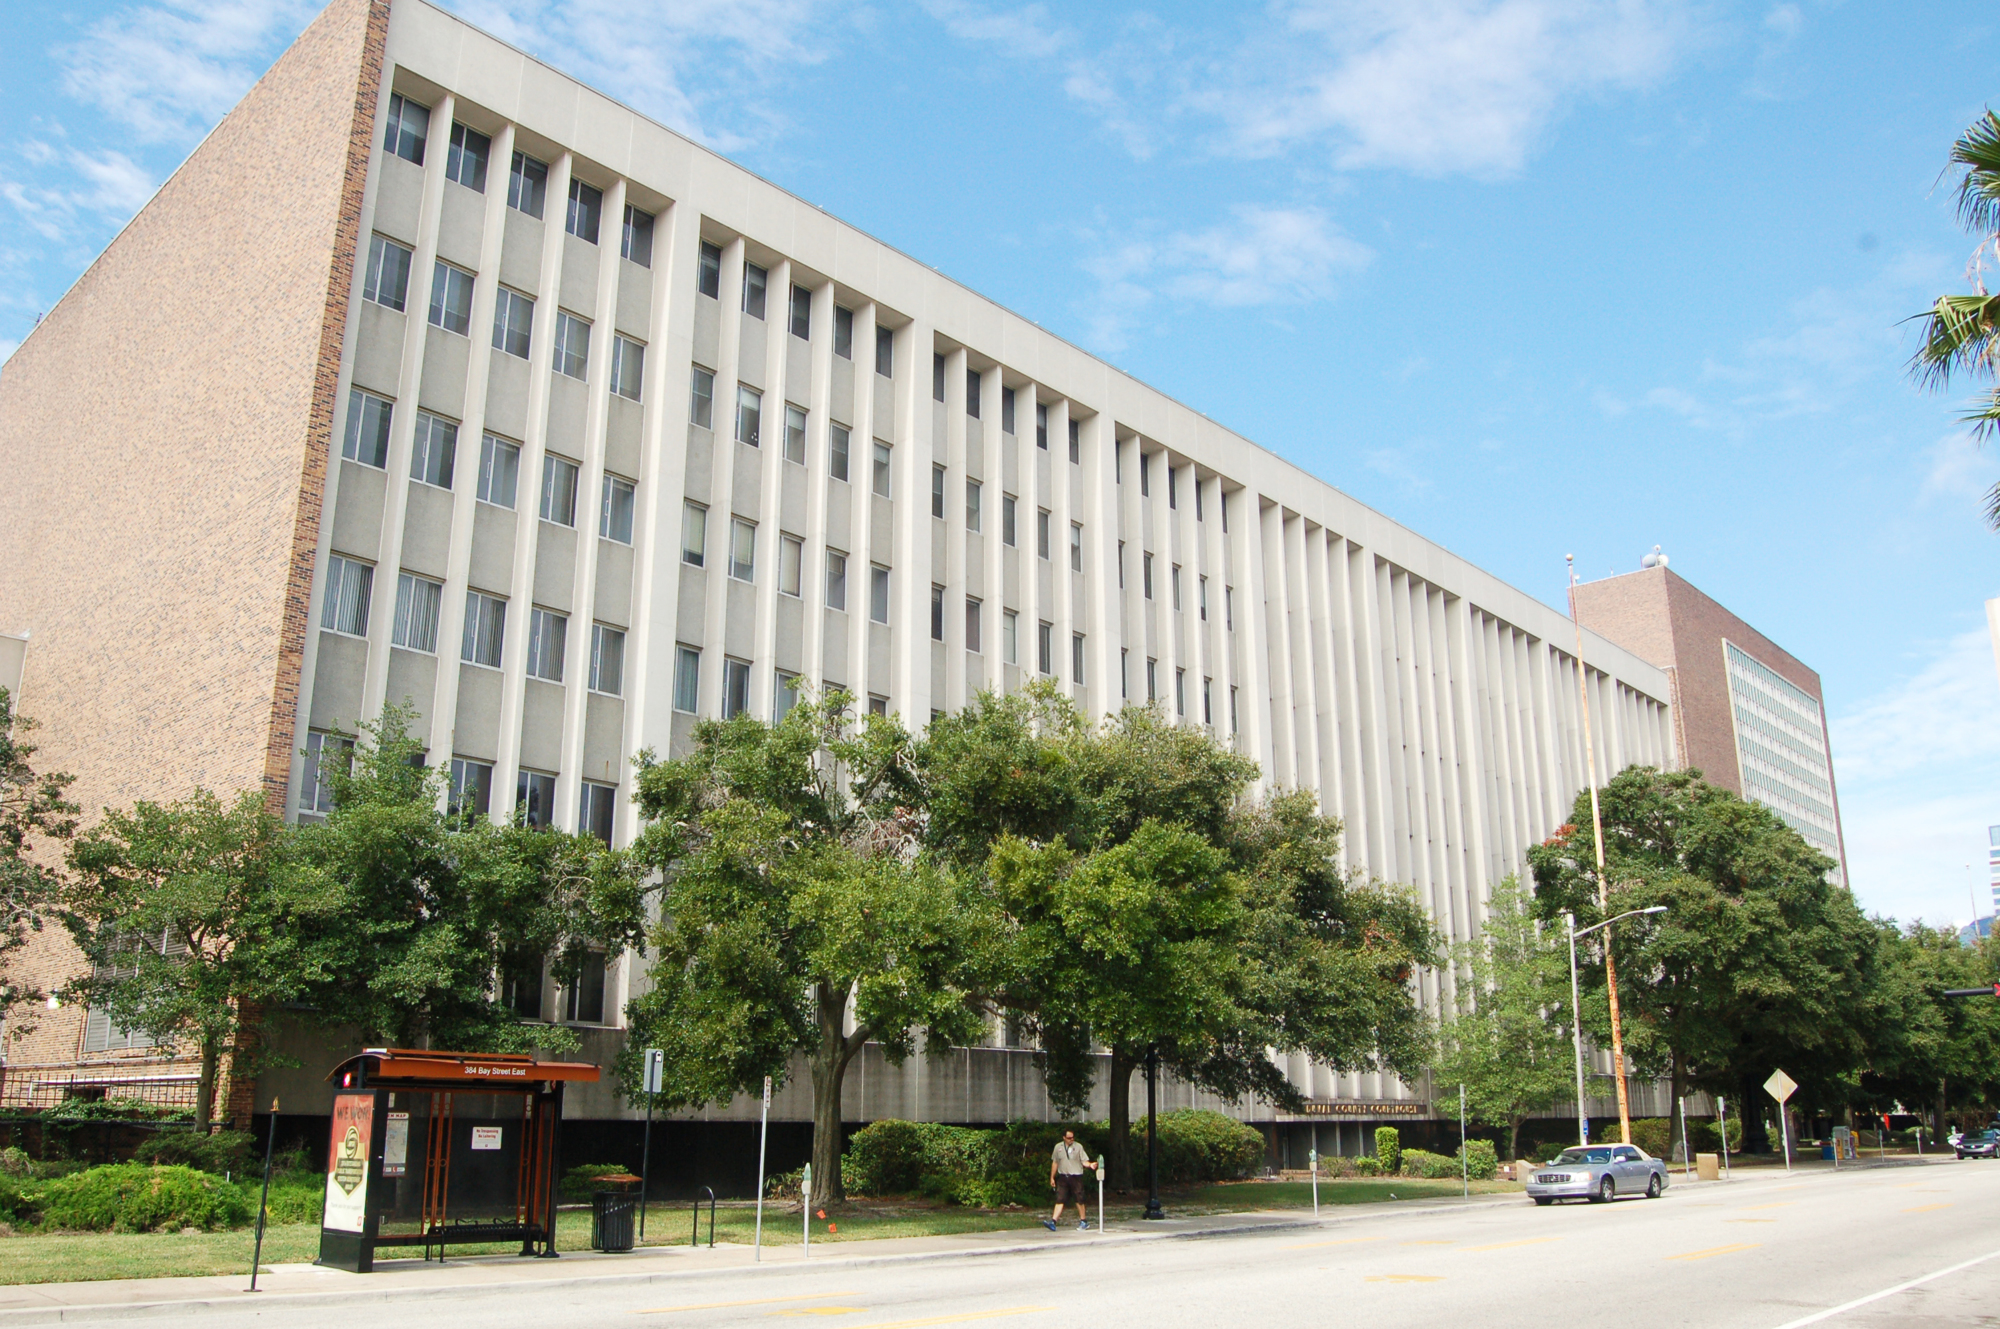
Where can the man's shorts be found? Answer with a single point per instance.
(1069, 1188)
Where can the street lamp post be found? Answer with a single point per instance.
(1576, 1015)
(1153, 1209)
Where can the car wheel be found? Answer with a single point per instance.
(1653, 1187)
(1607, 1191)
(1545, 1199)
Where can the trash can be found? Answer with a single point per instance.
(612, 1215)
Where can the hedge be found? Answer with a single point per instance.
(130, 1197)
(1388, 1148)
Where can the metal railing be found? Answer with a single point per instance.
(694, 1233)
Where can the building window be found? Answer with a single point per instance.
(1007, 519)
(1180, 693)
(784, 695)
(466, 162)
(742, 549)
(586, 209)
(802, 312)
(1121, 565)
(535, 797)
(1145, 475)
(451, 298)
(694, 534)
(836, 579)
(937, 377)
(701, 397)
(1152, 680)
(367, 438)
(1146, 575)
(1175, 577)
(409, 126)
(843, 332)
(499, 471)
(937, 612)
(791, 564)
(548, 635)
(470, 792)
(749, 414)
(513, 322)
(754, 281)
(348, 586)
(614, 515)
(1197, 500)
(1042, 532)
(485, 629)
(1232, 708)
(972, 393)
(795, 434)
(974, 640)
(1076, 657)
(324, 752)
(1075, 445)
(1207, 711)
(594, 814)
(558, 490)
(1201, 594)
(687, 678)
(572, 345)
(434, 451)
(527, 184)
(417, 602)
(1222, 501)
(1173, 487)
(1124, 672)
(885, 352)
(881, 476)
(877, 704)
(607, 660)
(878, 594)
(1006, 410)
(937, 492)
(628, 367)
(836, 461)
(1010, 637)
(388, 281)
(1229, 608)
(1041, 426)
(1045, 647)
(708, 277)
(972, 514)
(637, 241)
(1076, 546)
(735, 687)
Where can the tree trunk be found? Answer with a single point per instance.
(204, 1093)
(1756, 1140)
(829, 1072)
(1120, 1150)
(1944, 1108)
(1513, 1139)
(1678, 1076)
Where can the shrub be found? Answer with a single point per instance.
(1655, 1135)
(1388, 1148)
(901, 1157)
(295, 1197)
(1424, 1163)
(14, 1162)
(1367, 1165)
(1707, 1140)
(1197, 1145)
(1482, 1161)
(578, 1183)
(12, 1210)
(220, 1153)
(130, 1197)
(784, 1185)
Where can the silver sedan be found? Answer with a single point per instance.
(1598, 1173)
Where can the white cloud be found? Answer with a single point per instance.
(1025, 32)
(1920, 782)
(107, 184)
(168, 71)
(1959, 468)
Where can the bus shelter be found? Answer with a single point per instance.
(432, 1149)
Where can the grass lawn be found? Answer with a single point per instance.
(81, 1256)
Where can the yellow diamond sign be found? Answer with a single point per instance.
(1780, 1086)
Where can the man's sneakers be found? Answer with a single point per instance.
(1049, 1223)
(1083, 1225)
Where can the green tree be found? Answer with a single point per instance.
(799, 917)
(180, 909)
(409, 917)
(1926, 1048)
(1759, 963)
(1959, 330)
(32, 805)
(1507, 1037)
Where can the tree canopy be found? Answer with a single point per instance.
(34, 807)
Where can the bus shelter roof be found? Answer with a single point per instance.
(471, 1070)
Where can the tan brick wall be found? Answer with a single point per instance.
(164, 434)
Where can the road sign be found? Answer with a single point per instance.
(656, 1062)
(1780, 1086)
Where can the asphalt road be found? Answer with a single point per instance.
(1764, 1254)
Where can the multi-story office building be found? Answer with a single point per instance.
(434, 375)
(1747, 714)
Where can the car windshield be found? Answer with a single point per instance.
(1584, 1156)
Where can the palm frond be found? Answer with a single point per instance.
(1961, 335)
(1993, 508)
(1978, 152)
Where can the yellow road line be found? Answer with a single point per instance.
(1716, 1250)
(1926, 1208)
(1315, 1245)
(1509, 1245)
(754, 1301)
(1404, 1278)
(962, 1315)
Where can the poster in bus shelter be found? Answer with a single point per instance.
(347, 1162)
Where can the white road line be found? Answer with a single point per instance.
(1843, 1308)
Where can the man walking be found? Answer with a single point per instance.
(1066, 1165)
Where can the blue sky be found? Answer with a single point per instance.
(1531, 276)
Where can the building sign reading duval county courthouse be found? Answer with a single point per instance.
(1359, 1109)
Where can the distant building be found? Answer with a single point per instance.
(1747, 713)
(1993, 863)
(1976, 931)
